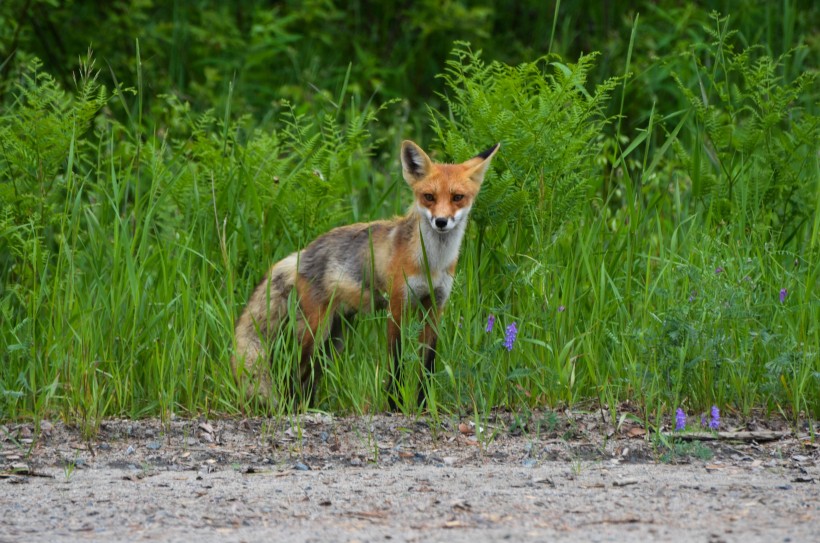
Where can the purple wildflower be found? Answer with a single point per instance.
(509, 338)
(718, 270)
(703, 422)
(693, 295)
(561, 308)
(783, 294)
(680, 420)
(490, 323)
(715, 422)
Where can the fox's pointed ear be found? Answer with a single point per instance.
(488, 154)
(415, 164)
(481, 162)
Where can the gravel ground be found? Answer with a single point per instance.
(571, 477)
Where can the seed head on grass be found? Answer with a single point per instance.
(509, 338)
(490, 323)
(680, 420)
(714, 423)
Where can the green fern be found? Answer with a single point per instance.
(548, 124)
(754, 166)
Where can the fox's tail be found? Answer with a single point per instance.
(263, 315)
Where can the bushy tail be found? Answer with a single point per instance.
(259, 323)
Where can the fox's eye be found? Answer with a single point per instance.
(429, 197)
(458, 197)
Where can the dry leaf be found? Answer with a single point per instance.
(636, 431)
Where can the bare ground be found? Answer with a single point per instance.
(572, 477)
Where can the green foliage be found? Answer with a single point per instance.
(754, 159)
(548, 125)
(271, 52)
(140, 205)
(679, 450)
(38, 143)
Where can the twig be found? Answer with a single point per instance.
(759, 436)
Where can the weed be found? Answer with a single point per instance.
(683, 450)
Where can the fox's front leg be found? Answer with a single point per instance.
(428, 338)
(394, 346)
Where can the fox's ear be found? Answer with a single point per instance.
(488, 154)
(415, 164)
(481, 162)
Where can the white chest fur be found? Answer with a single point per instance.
(442, 285)
(441, 251)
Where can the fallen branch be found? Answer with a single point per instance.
(23, 473)
(759, 436)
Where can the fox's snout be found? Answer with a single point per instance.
(442, 223)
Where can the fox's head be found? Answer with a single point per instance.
(444, 193)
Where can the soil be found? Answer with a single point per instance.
(567, 477)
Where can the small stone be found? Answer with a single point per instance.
(46, 427)
(206, 427)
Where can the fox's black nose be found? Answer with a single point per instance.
(441, 223)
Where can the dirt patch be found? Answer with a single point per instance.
(383, 478)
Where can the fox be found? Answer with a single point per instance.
(406, 263)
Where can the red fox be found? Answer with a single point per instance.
(380, 264)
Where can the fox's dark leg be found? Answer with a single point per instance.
(309, 371)
(394, 346)
(428, 339)
(315, 330)
(336, 338)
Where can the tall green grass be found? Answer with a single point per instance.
(641, 267)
